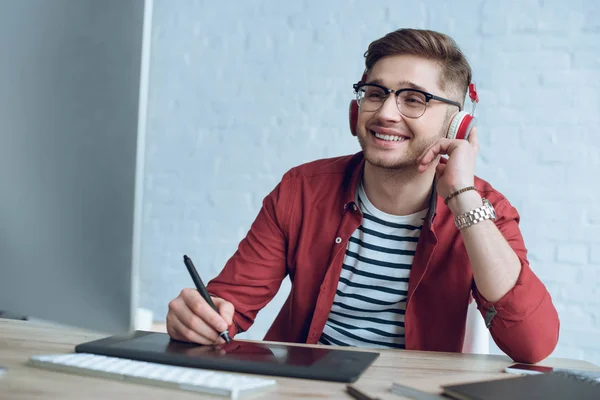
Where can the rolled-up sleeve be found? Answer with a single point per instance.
(524, 322)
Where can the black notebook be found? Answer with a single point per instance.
(548, 386)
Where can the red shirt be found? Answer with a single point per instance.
(302, 230)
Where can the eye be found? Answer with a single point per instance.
(413, 98)
(374, 93)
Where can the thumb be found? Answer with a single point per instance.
(473, 139)
(440, 169)
(225, 308)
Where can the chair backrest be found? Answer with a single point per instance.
(477, 335)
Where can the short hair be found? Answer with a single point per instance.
(441, 48)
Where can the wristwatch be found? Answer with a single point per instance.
(486, 211)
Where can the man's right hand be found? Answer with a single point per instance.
(192, 319)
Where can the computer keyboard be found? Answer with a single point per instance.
(192, 379)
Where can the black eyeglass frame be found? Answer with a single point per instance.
(428, 96)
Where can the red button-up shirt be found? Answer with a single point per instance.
(302, 230)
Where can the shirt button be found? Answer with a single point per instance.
(354, 207)
(338, 240)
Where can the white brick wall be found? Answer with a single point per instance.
(238, 95)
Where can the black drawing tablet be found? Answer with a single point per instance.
(323, 363)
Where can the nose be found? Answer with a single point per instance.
(389, 109)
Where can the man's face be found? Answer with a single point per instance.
(397, 72)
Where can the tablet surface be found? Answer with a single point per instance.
(323, 363)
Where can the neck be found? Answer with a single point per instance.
(398, 191)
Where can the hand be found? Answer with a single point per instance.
(191, 319)
(459, 170)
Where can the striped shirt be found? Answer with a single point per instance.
(370, 301)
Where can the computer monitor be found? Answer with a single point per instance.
(72, 102)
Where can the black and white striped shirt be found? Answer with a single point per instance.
(370, 301)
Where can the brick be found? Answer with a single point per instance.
(572, 153)
(577, 294)
(499, 18)
(577, 317)
(560, 18)
(534, 137)
(539, 60)
(537, 176)
(541, 251)
(555, 290)
(555, 272)
(570, 78)
(589, 274)
(552, 211)
(510, 43)
(574, 42)
(582, 338)
(583, 233)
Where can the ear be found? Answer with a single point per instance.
(353, 111)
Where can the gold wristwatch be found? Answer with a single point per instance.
(486, 211)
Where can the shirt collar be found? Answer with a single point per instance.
(354, 174)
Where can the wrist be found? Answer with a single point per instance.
(465, 202)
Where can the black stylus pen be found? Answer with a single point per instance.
(202, 289)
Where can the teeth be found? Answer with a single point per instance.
(389, 137)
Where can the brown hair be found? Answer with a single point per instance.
(431, 45)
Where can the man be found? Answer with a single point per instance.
(381, 247)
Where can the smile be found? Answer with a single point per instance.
(389, 138)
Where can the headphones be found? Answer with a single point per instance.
(460, 126)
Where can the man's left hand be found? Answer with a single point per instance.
(459, 170)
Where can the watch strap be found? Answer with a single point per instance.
(479, 214)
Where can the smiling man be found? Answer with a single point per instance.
(387, 247)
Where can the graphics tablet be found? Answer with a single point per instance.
(329, 364)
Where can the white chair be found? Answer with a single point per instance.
(477, 336)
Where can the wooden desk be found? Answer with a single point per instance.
(422, 370)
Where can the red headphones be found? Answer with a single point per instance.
(460, 126)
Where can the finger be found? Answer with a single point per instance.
(225, 308)
(430, 153)
(442, 146)
(202, 309)
(425, 167)
(440, 169)
(178, 331)
(425, 152)
(193, 322)
(473, 139)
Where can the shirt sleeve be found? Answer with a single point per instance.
(523, 323)
(253, 275)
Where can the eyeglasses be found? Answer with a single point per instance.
(411, 103)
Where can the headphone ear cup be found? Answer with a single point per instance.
(353, 111)
(461, 126)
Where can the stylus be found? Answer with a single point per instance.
(202, 289)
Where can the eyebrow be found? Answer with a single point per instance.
(403, 84)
